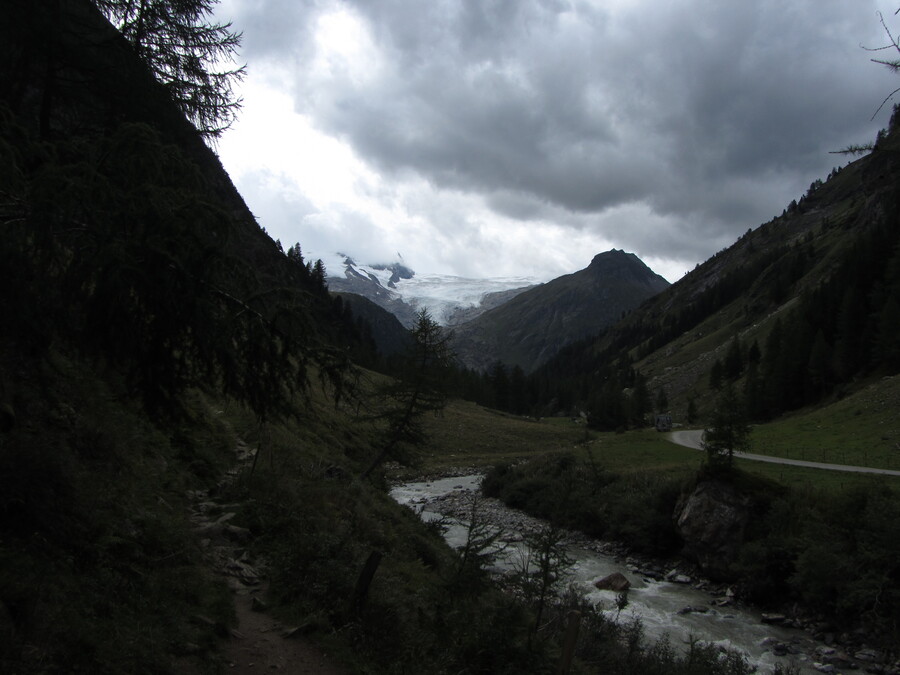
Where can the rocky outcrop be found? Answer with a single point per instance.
(613, 582)
(711, 520)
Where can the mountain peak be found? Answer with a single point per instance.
(536, 324)
(615, 256)
(616, 263)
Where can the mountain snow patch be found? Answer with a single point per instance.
(443, 295)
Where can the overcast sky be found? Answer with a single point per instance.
(521, 137)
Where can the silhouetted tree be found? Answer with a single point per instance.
(733, 364)
(692, 414)
(317, 274)
(753, 354)
(728, 431)
(716, 374)
(639, 402)
(500, 386)
(185, 52)
(518, 391)
(891, 64)
(662, 401)
(419, 389)
(819, 367)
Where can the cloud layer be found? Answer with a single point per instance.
(523, 136)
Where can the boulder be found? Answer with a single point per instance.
(711, 520)
(613, 582)
(692, 610)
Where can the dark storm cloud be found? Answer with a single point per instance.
(712, 114)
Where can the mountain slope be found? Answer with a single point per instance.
(533, 326)
(386, 331)
(796, 311)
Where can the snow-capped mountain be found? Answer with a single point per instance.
(449, 299)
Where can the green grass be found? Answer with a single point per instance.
(862, 429)
(467, 435)
(802, 478)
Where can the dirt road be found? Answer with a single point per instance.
(693, 438)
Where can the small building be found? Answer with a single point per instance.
(664, 422)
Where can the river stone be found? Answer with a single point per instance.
(613, 582)
(711, 520)
(690, 609)
(869, 655)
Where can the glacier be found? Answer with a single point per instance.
(446, 297)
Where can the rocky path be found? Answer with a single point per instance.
(693, 438)
(259, 642)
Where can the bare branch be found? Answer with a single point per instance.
(887, 98)
(854, 149)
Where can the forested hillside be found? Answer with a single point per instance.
(794, 313)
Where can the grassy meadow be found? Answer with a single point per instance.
(861, 430)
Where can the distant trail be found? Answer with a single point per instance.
(694, 439)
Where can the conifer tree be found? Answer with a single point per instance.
(183, 51)
(500, 385)
(418, 390)
(729, 432)
(662, 400)
(518, 390)
(715, 374)
(691, 410)
(734, 361)
(819, 367)
(639, 401)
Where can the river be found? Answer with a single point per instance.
(659, 604)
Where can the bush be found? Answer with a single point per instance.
(636, 509)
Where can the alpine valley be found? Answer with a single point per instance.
(199, 429)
